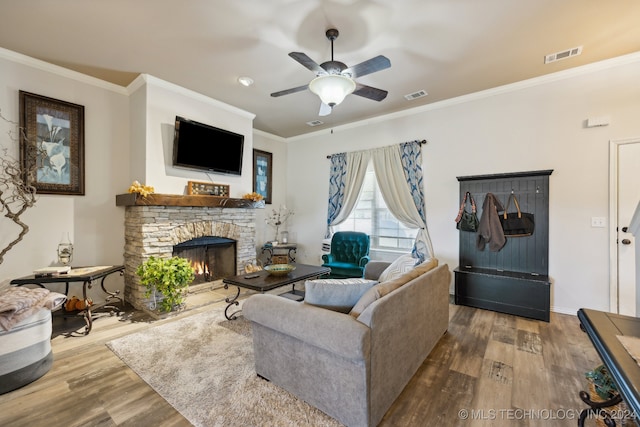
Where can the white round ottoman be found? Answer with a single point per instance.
(25, 351)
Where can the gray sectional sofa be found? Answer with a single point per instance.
(352, 368)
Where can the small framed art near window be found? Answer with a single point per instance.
(52, 144)
(262, 174)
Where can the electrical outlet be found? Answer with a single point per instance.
(598, 221)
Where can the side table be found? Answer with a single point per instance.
(86, 275)
(284, 253)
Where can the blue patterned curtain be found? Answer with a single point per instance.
(337, 177)
(347, 175)
(411, 158)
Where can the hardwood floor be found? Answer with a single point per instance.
(489, 369)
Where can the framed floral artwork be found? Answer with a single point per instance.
(52, 144)
(262, 174)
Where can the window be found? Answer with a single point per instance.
(372, 216)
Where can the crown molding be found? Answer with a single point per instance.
(60, 71)
(270, 135)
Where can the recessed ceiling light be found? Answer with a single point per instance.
(245, 81)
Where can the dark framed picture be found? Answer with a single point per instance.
(52, 144)
(262, 174)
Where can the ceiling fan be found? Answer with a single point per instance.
(334, 80)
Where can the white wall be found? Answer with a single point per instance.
(161, 103)
(278, 148)
(93, 220)
(528, 126)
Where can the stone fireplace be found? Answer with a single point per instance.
(155, 224)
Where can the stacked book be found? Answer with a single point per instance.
(52, 271)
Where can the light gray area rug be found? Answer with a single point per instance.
(203, 366)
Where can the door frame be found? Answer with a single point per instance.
(614, 146)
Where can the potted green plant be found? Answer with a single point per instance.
(602, 382)
(169, 276)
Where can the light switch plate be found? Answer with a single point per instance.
(598, 221)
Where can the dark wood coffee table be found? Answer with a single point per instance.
(263, 282)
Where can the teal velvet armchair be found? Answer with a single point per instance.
(349, 254)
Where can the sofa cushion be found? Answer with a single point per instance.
(401, 265)
(427, 265)
(365, 301)
(336, 294)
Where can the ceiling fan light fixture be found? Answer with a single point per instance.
(332, 88)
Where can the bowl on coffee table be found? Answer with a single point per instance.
(279, 269)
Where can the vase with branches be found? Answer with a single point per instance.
(278, 218)
(16, 196)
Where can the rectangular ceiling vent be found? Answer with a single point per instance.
(416, 95)
(315, 123)
(562, 55)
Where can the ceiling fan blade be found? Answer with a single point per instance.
(325, 110)
(288, 91)
(372, 65)
(370, 92)
(307, 62)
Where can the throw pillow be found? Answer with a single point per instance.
(336, 294)
(401, 265)
(383, 288)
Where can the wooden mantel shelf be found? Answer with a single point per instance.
(134, 199)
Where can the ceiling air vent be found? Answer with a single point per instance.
(562, 55)
(416, 95)
(315, 123)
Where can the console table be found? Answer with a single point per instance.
(282, 253)
(603, 328)
(86, 275)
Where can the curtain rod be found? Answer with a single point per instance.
(423, 142)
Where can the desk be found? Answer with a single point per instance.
(86, 275)
(602, 328)
(262, 281)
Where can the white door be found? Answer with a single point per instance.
(628, 196)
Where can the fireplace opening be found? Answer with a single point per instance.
(212, 257)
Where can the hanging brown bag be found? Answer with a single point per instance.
(516, 224)
(467, 221)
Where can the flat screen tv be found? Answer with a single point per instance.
(200, 146)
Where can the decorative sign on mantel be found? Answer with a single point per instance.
(207, 189)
